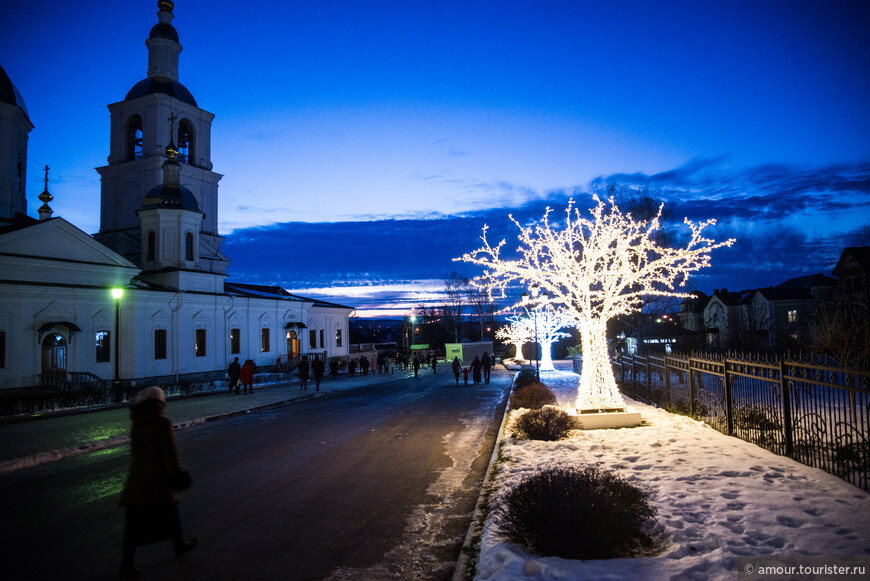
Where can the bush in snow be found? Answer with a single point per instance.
(580, 513)
(533, 396)
(525, 378)
(548, 423)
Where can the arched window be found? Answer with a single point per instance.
(151, 246)
(185, 142)
(134, 138)
(20, 176)
(188, 246)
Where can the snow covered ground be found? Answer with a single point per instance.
(718, 498)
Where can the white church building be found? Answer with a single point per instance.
(145, 300)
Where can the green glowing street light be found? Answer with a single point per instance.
(117, 293)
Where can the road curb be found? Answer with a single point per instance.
(8, 466)
(464, 564)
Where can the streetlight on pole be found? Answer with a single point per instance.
(117, 293)
(536, 291)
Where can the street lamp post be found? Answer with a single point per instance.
(117, 293)
(536, 291)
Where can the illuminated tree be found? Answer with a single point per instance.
(597, 268)
(549, 321)
(518, 331)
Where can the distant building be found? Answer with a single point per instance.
(720, 318)
(783, 316)
(175, 318)
(853, 273)
(772, 318)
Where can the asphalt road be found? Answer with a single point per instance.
(377, 482)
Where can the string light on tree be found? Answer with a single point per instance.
(550, 320)
(597, 268)
(517, 332)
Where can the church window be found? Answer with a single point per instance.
(235, 341)
(199, 344)
(338, 337)
(264, 340)
(20, 176)
(101, 343)
(793, 317)
(322, 342)
(159, 343)
(188, 246)
(152, 244)
(134, 138)
(312, 338)
(185, 142)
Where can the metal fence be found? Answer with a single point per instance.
(815, 413)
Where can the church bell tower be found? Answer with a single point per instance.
(138, 149)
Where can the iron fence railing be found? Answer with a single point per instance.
(805, 408)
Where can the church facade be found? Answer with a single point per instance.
(145, 300)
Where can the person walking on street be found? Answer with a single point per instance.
(303, 373)
(487, 365)
(317, 368)
(247, 377)
(416, 364)
(234, 372)
(457, 369)
(333, 368)
(475, 370)
(434, 364)
(149, 500)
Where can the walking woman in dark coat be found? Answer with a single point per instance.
(475, 370)
(150, 503)
(247, 377)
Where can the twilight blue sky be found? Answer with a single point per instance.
(364, 143)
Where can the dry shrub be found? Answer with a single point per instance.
(548, 423)
(580, 513)
(533, 396)
(525, 378)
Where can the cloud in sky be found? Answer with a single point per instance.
(338, 111)
(366, 143)
(787, 221)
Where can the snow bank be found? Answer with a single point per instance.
(718, 498)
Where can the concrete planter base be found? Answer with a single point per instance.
(598, 420)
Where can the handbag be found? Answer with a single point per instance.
(179, 481)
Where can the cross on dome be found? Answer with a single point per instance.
(171, 150)
(45, 211)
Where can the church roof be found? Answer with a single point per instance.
(164, 86)
(164, 30)
(273, 292)
(169, 197)
(9, 94)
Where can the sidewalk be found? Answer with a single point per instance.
(55, 436)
